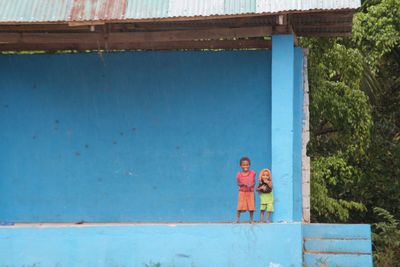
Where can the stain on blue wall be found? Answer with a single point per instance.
(137, 245)
(138, 136)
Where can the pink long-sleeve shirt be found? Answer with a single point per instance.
(246, 183)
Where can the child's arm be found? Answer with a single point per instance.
(259, 187)
(239, 183)
(253, 182)
(269, 182)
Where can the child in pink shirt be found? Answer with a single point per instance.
(245, 180)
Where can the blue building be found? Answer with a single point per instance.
(123, 149)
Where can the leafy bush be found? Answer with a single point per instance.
(386, 239)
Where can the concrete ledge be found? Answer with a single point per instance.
(139, 244)
(131, 224)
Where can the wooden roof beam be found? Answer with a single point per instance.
(325, 34)
(190, 45)
(159, 36)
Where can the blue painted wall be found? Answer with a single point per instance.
(141, 136)
(239, 245)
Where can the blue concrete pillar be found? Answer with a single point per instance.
(282, 131)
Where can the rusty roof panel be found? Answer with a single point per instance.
(27, 11)
(98, 10)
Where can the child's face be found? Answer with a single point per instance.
(265, 176)
(245, 165)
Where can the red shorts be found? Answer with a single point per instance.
(246, 201)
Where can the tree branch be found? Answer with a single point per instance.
(325, 131)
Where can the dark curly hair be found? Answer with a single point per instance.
(244, 159)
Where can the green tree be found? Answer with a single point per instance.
(340, 122)
(355, 126)
(355, 119)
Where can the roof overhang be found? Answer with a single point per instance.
(119, 25)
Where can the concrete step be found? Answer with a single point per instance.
(318, 259)
(345, 246)
(337, 231)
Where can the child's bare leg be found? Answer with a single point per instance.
(251, 216)
(261, 216)
(238, 216)
(268, 216)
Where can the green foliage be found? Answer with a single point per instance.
(377, 29)
(329, 174)
(339, 112)
(336, 62)
(340, 120)
(386, 239)
(377, 35)
(355, 126)
(355, 119)
(340, 123)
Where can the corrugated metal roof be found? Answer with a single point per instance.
(20, 11)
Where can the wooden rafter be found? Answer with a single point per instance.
(161, 34)
(138, 37)
(189, 45)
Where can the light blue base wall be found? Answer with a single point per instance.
(278, 245)
(194, 245)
